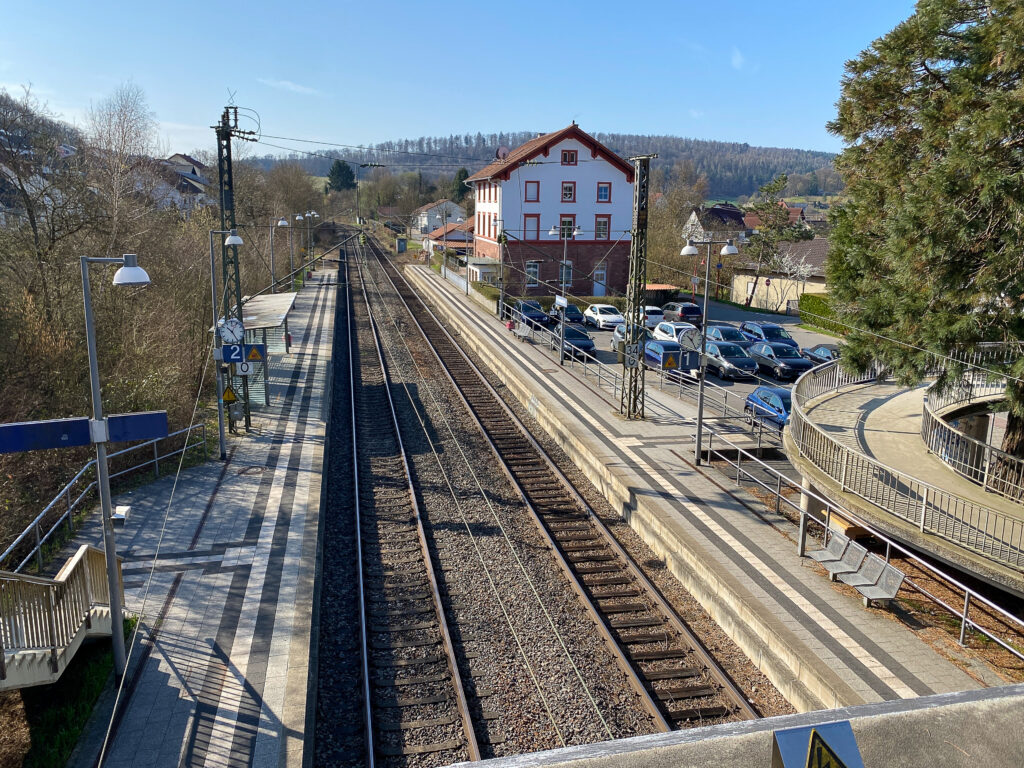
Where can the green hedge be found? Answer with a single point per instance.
(486, 290)
(816, 309)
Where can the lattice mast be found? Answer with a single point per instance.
(632, 400)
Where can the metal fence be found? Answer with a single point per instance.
(933, 510)
(79, 492)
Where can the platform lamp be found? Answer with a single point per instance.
(556, 232)
(690, 249)
(130, 273)
(310, 215)
(291, 251)
(281, 222)
(231, 239)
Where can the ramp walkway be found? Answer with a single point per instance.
(819, 646)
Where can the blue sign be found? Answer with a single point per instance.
(39, 435)
(255, 353)
(233, 353)
(147, 425)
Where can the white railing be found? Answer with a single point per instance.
(38, 614)
(933, 510)
(80, 491)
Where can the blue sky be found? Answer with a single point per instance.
(358, 73)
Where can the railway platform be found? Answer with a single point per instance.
(820, 647)
(222, 580)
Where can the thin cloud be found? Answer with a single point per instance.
(696, 114)
(737, 59)
(288, 85)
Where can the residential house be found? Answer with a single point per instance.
(429, 217)
(799, 269)
(796, 216)
(567, 182)
(715, 222)
(454, 236)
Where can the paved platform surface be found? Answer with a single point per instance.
(222, 578)
(883, 421)
(817, 635)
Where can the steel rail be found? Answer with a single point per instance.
(472, 746)
(728, 687)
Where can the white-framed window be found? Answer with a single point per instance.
(568, 157)
(532, 274)
(568, 191)
(566, 225)
(532, 192)
(565, 273)
(604, 191)
(602, 226)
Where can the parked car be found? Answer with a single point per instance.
(577, 342)
(572, 314)
(771, 404)
(529, 312)
(728, 333)
(669, 331)
(686, 311)
(620, 333)
(662, 355)
(729, 361)
(822, 353)
(771, 332)
(779, 359)
(653, 316)
(602, 316)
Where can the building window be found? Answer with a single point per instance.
(602, 226)
(532, 192)
(532, 274)
(568, 191)
(565, 273)
(566, 225)
(531, 226)
(568, 157)
(604, 191)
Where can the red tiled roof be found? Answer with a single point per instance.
(428, 206)
(541, 145)
(661, 287)
(440, 232)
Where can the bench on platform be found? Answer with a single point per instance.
(850, 562)
(873, 577)
(522, 331)
(885, 588)
(835, 548)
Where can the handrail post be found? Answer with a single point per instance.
(963, 619)
(39, 549)
(924, 507)
(156, 458)
(51, 625)
(801, 538)
(846, 463)
(778, 494)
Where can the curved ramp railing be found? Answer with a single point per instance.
(933, 510)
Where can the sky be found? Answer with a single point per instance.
(764, 73)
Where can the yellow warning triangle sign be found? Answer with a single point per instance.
(229, 395)
(255, 356)
(820, 754)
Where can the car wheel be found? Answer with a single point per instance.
(777, 373)
(748, 412)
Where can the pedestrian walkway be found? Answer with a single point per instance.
(883, 421)
(818, 645)
(222, 579)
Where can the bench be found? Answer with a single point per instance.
(835, 548)
(523, 331)
(885, 588)
(850, 562)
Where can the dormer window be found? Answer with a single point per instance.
(568, 157)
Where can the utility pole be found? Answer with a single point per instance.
(232, 282)
(631, 404)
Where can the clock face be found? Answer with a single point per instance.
(232, 332)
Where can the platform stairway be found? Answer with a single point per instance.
(43, 621)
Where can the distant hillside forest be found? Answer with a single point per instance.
(733, 170)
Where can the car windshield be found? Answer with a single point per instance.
(786, 400)
(573, 311)
(774, 332)
(532, 305)
(730, 334)
(731, 350)
(785, 351)
(575, 333)
(693, 311)
(607, 311)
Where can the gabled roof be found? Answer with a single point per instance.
(720, 217)
(501, 169)
(445, 231)
(435, 204)
(814, 253)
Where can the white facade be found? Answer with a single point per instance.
(533, 200)
(437, 215)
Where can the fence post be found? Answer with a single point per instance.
(51, 625)
(963, 619)
(156, 459)
(778, 494)
(842, 479)
(801, 539)
(739, 462)
(924, 508)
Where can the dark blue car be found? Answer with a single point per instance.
(770, 332)
(577, 343)
(770, 404)
(529, 312)
(572, 314)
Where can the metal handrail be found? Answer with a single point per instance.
(994, 470)
(35, 528)
(933, 510)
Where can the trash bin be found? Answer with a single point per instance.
(620, 350)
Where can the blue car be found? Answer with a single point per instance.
(770, 332)
(770, 404)
(578, 343)
(530, 312)
(572, 314)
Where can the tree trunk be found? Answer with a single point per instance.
(1005, 476)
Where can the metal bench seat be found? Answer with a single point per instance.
(851, 561)
(835, 548)
(868, 574)
(885, 589)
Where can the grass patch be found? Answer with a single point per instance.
(55, 715)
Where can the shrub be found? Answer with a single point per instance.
(816, 309)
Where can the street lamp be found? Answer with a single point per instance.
(231, 239)
(130, 273)
(310, 215)
(690, 249)
(554, 231)
(281, 222)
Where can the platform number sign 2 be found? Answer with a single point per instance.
(234, 353)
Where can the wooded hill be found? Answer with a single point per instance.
(732, 169)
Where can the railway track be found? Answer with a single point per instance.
(415, 707)
(676, 677)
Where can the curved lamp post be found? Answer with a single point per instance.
(130, 273)
(690, 249)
